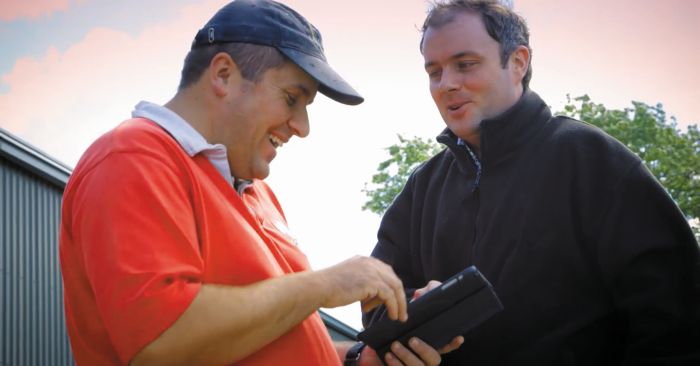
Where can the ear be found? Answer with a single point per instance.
(519, 60)
(223, 74)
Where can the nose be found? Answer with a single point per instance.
(449, 81)
(299, 123)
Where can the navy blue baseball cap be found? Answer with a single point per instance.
(270, 23)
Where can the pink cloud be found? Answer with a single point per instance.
(614, 55)
(76, 95)
(61, 102)
(15, 9)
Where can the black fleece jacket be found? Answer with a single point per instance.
(593, 261)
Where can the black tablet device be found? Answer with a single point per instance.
(452, 309)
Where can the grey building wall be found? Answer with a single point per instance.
(32, 327)
(32, 322)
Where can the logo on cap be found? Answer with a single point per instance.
(315, 40)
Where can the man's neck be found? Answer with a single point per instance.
(472, 146)
(191, 110)
(473, 139)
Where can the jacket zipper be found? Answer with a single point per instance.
(476, 222)
(477, 192)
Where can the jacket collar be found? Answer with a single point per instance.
(505, 134)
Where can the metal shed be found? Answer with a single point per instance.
(32, 325)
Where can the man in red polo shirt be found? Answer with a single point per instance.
(175, 252)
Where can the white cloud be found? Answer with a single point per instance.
(64, 101)
(14, 9)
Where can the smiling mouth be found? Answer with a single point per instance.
(456, 107)
(276, 142)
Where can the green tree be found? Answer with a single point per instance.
(393, 173)
(670, 154)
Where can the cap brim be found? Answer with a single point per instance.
(331, 84)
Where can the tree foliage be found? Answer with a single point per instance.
(670, 154)
(393, 173)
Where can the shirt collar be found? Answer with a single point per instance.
(503, 135)
(191, 141)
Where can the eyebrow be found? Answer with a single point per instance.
(455, 56)
(305, 91)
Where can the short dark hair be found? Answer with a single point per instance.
(502, 23)
(252, 60)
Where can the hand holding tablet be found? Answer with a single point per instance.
(439, 315)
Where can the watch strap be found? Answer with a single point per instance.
(352, 358)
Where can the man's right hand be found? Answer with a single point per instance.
(367, 280)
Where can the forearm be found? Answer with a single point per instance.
(224, 324)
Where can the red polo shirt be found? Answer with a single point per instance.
(144, 225)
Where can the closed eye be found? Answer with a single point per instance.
(291, 100)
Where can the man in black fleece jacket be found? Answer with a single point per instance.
(593, 261)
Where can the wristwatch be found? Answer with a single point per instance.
(352, 358)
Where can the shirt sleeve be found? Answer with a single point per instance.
(650, 261)
(393, 247)
(133, 218)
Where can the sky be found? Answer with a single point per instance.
(73, 69)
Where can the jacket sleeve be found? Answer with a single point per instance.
(650, 262)
(393, 246)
